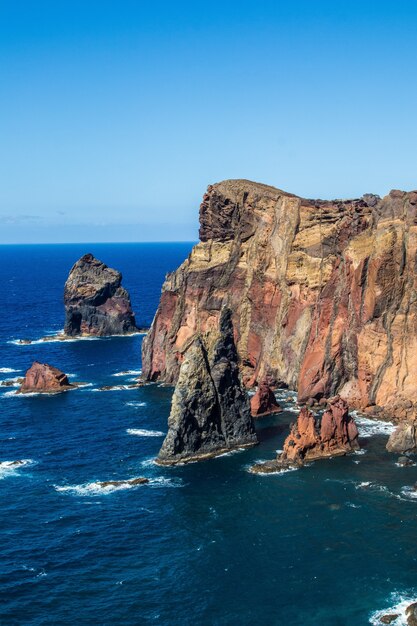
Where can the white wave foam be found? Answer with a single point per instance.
(128, 373)
(400, 602)
(148, 462)
(96, 488)
(136, 404)
(161, 481)
(8, 370)
(409, 492)
(12, 382)
(142, 432)
(117, 388)
(9, 468)
(369, 427)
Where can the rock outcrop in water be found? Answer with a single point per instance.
(264, 401)
(404, 438)
(95, 302)
(210, 412)
(334, 435)
(323, 293)
(44, 378)
(310, 438)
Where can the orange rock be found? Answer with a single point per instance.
(44, 378)
(321, 293)
(264, 401)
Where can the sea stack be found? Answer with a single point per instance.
(322, 293)
(95, 302)
(264, 402)
(44, 378)
(210, 412)
(311, 439)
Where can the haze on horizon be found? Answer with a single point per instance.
(116, 116)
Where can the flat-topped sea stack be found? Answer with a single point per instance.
(311, 438)
(44, 378)
(264, 402)
(323, 293)
(210, 412)
(95, 301)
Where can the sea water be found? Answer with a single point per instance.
(207, 543)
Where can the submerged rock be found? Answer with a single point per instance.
(403, 439)
(44, 378)
(311, 439)
(95, 302)
(119, 483)
(210, 412)
(264, 401)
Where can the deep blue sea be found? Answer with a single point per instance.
(203, 544)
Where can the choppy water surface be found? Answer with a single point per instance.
(210, 543)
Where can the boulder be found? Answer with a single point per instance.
(95, 302)
(210, 411)
(264, 401)
(403, 439)
(44, 378)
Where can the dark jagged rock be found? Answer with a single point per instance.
(322, 293)
(210, 411)
(311, 439)
(95, 302)
(44, 378)
(264, 401)
(121, 483)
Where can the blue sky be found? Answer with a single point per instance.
(115, 116)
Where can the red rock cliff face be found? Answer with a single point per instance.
(323, 293)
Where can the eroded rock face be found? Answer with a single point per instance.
(311, 438)
(323, 293)
(210, 411)
(403, 439)
(335, 434)
(44, 378)
(95, 302)
(264, 401)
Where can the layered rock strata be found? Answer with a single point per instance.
(264, 401)
(95, 302)
(323, 293)
(210, 412)
(44, 378)
(310, 438)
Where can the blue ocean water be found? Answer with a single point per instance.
(206, 543)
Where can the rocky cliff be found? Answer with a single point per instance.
(323, 293)
(210, 411)
(95, 302)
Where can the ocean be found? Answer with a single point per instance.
(204, 544)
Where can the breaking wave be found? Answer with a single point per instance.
(142, 432)
(399, 605)
(10, 468)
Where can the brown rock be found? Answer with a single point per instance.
(336, 434)
(411, 614)
(117, 483)
(44, 378)
(403, 439)
(321, 292)
(389, 618)
(95, 301)
(264, 401)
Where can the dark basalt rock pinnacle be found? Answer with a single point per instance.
(210, 412)
(95, 302)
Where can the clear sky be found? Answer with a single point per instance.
(116, 115)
